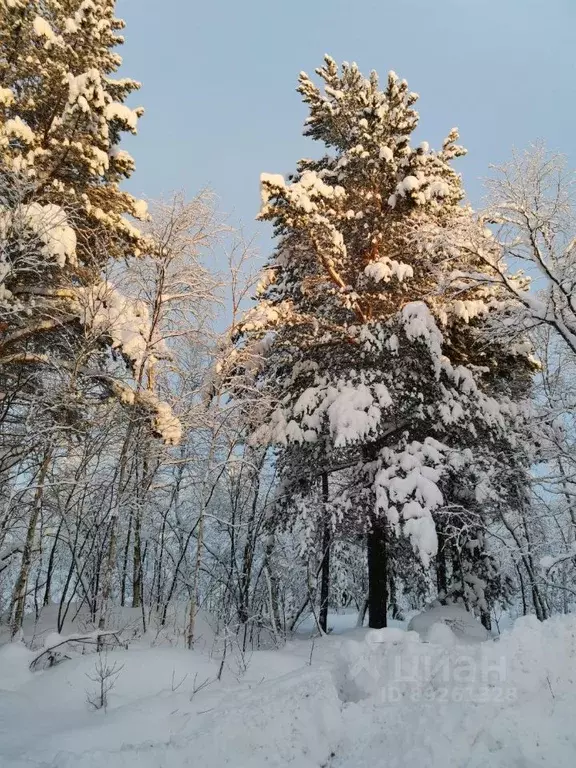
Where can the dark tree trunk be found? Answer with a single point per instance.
(486, 620)
(245, 579)
(137, 587)
(441, 568)
(125, 561)
(325, 572)
(50, 571)
(377, 576)
(522, 590)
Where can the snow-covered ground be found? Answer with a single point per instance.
(352, 699)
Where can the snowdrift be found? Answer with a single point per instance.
(363, 698)
(455, 618)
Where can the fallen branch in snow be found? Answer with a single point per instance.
(92, 638)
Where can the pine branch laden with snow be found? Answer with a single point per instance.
(59, 133)
(61, 108)
(63, 216)
(372, 350)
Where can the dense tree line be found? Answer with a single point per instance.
(388, 419)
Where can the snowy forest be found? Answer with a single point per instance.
(215, 449)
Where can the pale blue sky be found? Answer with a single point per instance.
(219, 77)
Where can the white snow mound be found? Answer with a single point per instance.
(463, 625)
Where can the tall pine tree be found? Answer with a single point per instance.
(63, 214)
(375, 354)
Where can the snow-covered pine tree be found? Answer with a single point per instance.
(376, 356)
(62, 211)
